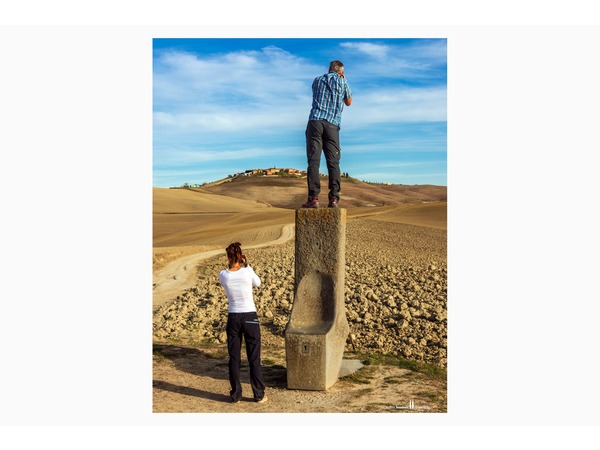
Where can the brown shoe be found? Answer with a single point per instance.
(313, 202)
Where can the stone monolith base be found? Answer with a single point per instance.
(315, 336)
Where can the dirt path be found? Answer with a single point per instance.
(179, 275)
(195, 380)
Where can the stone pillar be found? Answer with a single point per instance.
(315, 336)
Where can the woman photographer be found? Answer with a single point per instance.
(242, 321)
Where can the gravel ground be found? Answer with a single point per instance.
(396, 293)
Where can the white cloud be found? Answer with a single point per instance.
(422, 59)
(268, 76)
(382, 106)
(377, 51)
(397, 105)
(178, 156)
(257, 90)
(216, 119)
(243, 94)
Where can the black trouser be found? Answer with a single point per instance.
(322, 135)
(246, 325)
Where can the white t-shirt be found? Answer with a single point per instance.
(238, 287)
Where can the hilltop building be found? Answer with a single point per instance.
(272, 171)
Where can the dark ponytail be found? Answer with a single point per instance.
(235, 255)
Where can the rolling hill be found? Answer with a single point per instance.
(290, 193)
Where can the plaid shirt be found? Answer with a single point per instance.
(329, 92)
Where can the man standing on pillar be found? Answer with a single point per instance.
(330, 93)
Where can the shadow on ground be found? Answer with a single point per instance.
(212, 363)
(192, 392)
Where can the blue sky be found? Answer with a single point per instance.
(222, 106)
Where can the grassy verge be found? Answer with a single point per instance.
(431, 371)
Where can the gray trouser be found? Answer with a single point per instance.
(325, 136)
